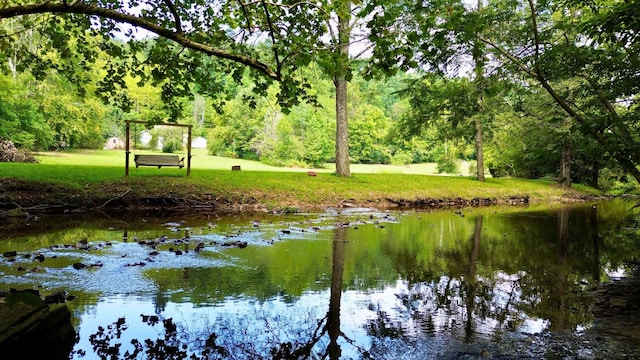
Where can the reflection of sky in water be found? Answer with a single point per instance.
(242, 321)
(431, 317)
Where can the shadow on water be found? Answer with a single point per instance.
(351, 284)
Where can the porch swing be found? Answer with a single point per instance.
(155, 159)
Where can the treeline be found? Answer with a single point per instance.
(54, 113)
(525, 139)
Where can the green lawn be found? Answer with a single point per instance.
(201, 160)
(101, 173)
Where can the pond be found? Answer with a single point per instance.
(496, 282)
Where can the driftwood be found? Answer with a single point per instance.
(115, 198)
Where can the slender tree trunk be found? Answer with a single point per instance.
(340, 82)
(565, 169)
(478, 58)
(471, 279)
(337, 271)
(479, 150)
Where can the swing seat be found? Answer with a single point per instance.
(159, 160)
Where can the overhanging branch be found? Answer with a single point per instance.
(176, 36)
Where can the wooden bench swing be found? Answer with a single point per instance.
(157, 160)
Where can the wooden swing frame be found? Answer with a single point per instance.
(159, 164)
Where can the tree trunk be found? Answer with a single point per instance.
(565, 168)
(337, 271)
(479, 151)
(340, 82)
(342, 129)
(478, 58)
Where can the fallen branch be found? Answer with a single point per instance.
(115, 198)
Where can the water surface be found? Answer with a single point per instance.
(500, 282)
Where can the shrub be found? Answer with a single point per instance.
(402, 157)
(171, 145)
(447, 165)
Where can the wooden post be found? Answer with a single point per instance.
(126, 154)
(189, 152)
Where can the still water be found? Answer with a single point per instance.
(498, 282)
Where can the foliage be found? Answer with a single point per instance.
(274, 78)
(21, 121)
(571, 59)
(402, 157)
(171, 145)
(447, 165)
(368, 131)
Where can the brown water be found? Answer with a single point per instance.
(360, 283)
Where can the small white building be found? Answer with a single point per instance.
(199, 142)
(145, 137)
(114, 143)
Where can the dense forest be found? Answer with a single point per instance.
(527, 89)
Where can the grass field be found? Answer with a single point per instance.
(201, 160)
(101, 174)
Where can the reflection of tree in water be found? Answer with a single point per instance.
(454, 303)
(274, 337)
(470, 301)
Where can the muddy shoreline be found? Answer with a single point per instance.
(19, 198)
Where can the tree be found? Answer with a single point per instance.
(417, 38)
(546, 43)
(452, 106)
(20, 120)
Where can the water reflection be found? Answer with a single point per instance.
(351, 284)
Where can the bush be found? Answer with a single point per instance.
(615, 182)
(447, 165)
(473, 169)
(171, 145)
(402, 158)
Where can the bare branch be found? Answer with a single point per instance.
(115, 198)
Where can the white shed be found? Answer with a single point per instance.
(114, 143)
(199, 142)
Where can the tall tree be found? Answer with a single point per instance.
(413, 35)
(478, 59)
(341, 76)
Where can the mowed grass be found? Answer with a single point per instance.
(211, 176)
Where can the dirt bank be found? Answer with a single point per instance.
(20, 198)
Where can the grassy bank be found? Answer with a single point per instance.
(93, 178)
